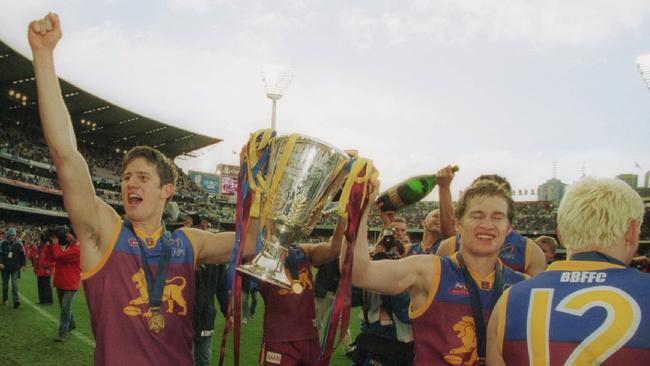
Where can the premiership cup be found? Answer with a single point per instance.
(303, 176)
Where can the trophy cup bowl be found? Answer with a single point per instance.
(304, 174)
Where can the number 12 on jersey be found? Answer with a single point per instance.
(622, 319)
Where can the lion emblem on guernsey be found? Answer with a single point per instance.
(303, 277)
(466, 332)
(172, 294)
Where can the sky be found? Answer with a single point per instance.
(530, 89)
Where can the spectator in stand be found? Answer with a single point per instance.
(549, 246)
(12, 260)
(43, 268)
(65, 253)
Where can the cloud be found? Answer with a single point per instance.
(537, 23)
(197, 6)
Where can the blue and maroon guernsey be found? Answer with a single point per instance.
(443, 329)
(577, 313)
(417, 248)
(117, 297)
(289, 316)
(515, 252)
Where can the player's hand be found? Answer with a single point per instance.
(386, 216)
(374, 191)
(445, 176)
(44, 34)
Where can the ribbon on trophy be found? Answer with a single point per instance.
(252, 177)
(155, 285)
(352, 204)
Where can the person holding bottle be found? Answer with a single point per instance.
(439, 223)
(451, 297)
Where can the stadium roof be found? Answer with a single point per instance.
(96, 121)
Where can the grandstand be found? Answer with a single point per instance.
(29, 193)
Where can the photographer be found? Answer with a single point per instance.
(386, 337)
(66, 252)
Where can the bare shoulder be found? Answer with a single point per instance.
(426, 268)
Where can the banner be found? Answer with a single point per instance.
(207, 182)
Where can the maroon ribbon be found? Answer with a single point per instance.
(340, 314)
(241, 219)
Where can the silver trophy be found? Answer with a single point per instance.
(304, 174)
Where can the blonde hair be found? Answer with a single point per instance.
(597, 212)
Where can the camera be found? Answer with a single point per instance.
(388, 247)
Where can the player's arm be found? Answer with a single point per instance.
(389, 277)
(496, 325)
(217, 248)
(447, 247)
(536, 262)
(322, 253)
(92, 219)
(444, 178)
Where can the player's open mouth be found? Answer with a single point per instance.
(133, 199)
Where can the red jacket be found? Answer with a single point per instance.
(68, 273)
(42, 261)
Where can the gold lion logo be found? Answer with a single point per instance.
(466, 332)
(172, 294)
(303, 278)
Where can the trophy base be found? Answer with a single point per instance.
(268, 266)
(262, 273)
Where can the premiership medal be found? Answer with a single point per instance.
(296, 287)
(156, 323)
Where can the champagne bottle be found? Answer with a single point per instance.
(408, 192)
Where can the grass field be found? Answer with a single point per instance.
(27, 333)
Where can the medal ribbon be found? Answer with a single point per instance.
(352, 204)
(155, 285)
(475, 299)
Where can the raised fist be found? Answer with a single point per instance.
(44, 34)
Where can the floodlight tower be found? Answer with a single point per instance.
(643, 62)
(276, 81)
